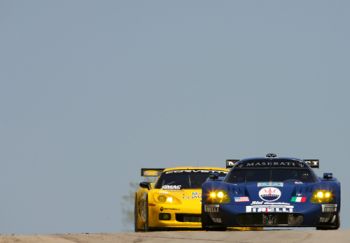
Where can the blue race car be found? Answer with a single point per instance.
(271, 192)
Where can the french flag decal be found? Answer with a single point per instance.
(298, 199)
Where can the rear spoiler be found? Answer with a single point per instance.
(231, 162)
(313, 163)
(151, 172)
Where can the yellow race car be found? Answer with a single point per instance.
(173, 199)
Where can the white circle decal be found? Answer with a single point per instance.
(270, 194)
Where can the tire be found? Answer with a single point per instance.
(205, 221)
(145, 226)
(333, 226)
(136, 215)
(217, 228)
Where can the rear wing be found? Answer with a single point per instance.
(313, 163)
(231, 162)
(151, 172)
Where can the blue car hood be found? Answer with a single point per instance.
(272, 191)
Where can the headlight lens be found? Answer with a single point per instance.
(169, 199)
(162, 198)
(166, 199)
(218, 197)
(322, 196)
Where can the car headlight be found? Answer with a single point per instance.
(166, 199)
(162, 198)
(169, 199)
(322, 196)
(218, 197)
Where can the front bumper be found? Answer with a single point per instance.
(173, 216)
(293, 215)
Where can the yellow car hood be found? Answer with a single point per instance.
(183, 198)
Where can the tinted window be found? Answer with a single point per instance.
(183, 179)
(251, 175)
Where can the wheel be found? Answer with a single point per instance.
(145, 211)
(136, 216)
(217, 228)
(333, 226)
(205, 221)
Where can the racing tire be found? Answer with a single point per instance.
(333, 226)
(205, 221)
(216, 228)
(145, 226)
(136, 216)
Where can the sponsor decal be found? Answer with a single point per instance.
(329, 208)
(324, 219)
(328, 219)
(269, 203)
(231, 162)
(151, 173)
(270, 209)
(298, 199)
(264, 184)
(161, 209)
(196, 195)
(171, 187)
(216, 220)
(195, 171)
(270, 194)
(272, 164)
(241, 199)
(211, 208)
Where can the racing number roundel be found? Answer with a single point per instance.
(270, 194)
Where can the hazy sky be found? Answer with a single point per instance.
(91, 91)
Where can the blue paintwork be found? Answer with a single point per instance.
(312, 212)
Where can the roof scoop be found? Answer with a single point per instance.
(271, 155)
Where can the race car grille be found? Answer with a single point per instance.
(271, 219)
(181, 217)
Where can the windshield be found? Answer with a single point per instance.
(184, 179)
(274, 174)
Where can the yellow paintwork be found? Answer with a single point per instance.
(151, 173)
(184, 201)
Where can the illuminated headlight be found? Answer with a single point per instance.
(218, 197)
(322, 196)
(169, 200)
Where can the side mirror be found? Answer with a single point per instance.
(327, 176)
(146, 185)
(214, 176)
